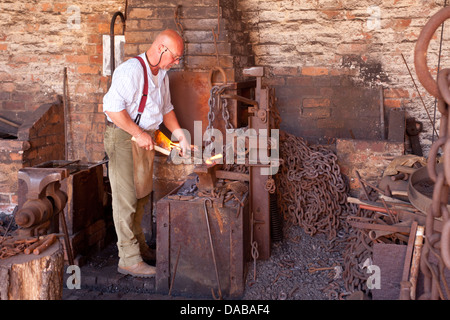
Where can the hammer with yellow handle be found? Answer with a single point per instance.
(157, 148)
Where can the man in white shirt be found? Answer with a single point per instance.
(121, 104)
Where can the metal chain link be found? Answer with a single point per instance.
(216, 102)
(436, 251)
(312, 192)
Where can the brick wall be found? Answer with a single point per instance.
(38, 39)
(199, 22)
(323, 44)
(301, 44)
(39, 139)
(315, 54)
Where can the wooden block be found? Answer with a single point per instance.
(33, 277)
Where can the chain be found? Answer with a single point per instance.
(436, 250)
(225, 113)
(254, 244)
(312, 192)
(11, 246)
(215, 102)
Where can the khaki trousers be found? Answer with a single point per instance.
(127, 210)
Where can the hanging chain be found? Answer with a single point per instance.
(216, 102)
(436, 250)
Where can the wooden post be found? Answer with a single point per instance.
(415, 264)
(33, 277)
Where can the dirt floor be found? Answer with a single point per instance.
(301, 267)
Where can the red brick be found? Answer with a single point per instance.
(14, 105)
(88, 69)
(14, 199)
(138, 37)
(352, 48)
(299, 81)
(15, 156)
(273, 82)
(330, 123)
(314, 71)
(5, 77)
(103, 28)
(331, 14)
(7, 86)
(141, 13)
(60, 7)
(149, 24)
(393, 103)
(131, 49)
(46, 6)
(25, 58)
(285, 71)
(77, 59)
(96, 59)
(395, 93)
(401, 24)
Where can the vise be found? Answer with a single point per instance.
(44, 200)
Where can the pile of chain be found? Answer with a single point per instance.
(11, 246)
(7, 248)
(358, 250)
(311, 190)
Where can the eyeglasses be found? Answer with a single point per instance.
(173, 56)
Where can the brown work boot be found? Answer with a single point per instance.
(140, 269)
(148, 254)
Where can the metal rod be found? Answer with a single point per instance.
(212, 249)
(382, 124)
(174, 271)
(363, 187)
(67, 164)
(420, 96)
(9, 122)
(66, 239)
(112, 38)
(438, 67)
(66, 114)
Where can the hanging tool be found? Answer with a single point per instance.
(48, 241)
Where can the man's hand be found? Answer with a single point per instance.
(122, 120)
(185, 146)
(144, 141)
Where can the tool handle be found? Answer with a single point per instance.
(157, 148)
(30, 249)
(47, 243)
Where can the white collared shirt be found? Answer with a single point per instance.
(126, 91)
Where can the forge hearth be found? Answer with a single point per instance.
(39, 137)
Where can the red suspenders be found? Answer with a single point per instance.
(144, 93)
